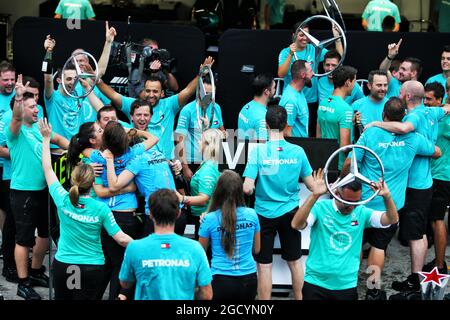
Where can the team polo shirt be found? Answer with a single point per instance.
(439, 78)
(394, 87)
(393, 150)
(151, 172)
(5, 106)
(440, 167)
(309, 55)
(252, 121)
(204, 181)
(376, 11)
(165, 267)
(26, 158)
(64, 114)
(75, 9)
(81, 225)
(278, 165)
(334, 114)
(242, 262)
(191, 129)
(276, 11)
(126, 200)
(425, 121)
(297, 111)
(370, 110)
(336, 242)
(326, 88)
(162, 122)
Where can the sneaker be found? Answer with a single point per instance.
(375, 294)
(411, 283)
(39, 280)
(27, 292)
(407, 295)
(10, 274)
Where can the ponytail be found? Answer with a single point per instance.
(74, 195)
(73, 153)
(79, 142)
(228, 227)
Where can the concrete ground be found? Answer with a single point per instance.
(397, 267)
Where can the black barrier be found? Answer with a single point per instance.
(260, 49)
(186, 43)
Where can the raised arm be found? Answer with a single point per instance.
(49, 46)
(17, 118)
(95, 102)
(150, 139)
(110, 93)
(284, 67)
(391, 214)
(46, 131)
(104, 58)
(393, 49)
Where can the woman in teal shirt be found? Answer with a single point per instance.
(205, 178)
(81, 218)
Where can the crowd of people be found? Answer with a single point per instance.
(136, 184)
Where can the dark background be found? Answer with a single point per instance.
(237, 47)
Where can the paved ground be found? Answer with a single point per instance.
(397, 267)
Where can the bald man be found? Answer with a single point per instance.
(423, 120)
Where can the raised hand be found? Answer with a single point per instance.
(20, 88)
(319, 186)
(209, 61)
(293, 48)
(110, 33)
(45, 128)
(155, 66)
(393, 49)
(86, 85)
(382, 187)
(49, 43)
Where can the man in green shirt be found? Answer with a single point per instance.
(336, 238)
(334, 116)
(74, 9)
(376, 11)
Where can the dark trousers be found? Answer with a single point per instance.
(131, 225)
(312, 108)
(234, 287)
(9, 231)
(313, 292)
(76, 281)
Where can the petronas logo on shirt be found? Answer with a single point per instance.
(165, 245)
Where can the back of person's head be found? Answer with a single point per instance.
(164, 207)
(276, 118)
(394, 109)
(32, 82)
(228, 196)
(81, 179)
(332, 54)
(297, 68)
(374, 73)
(79, 142)
(115, 138)
(140, 103)
(416, 65)
(437, 89)
(395, 65)
(106, 108)
(134, 137)
(6, 66)
(211, 140)
(343, 73)
(415, 90)
(261, 83)
(388, 24)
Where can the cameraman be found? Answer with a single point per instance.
(157, 68)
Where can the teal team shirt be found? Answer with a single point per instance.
(81, 226)
(334, 114)
(326, 88)
(252, 121)
(394, 87)
(336, 242)
(297, 110)
(377, 10)
(26, 158)
(165, 267)
(278, 165)
(370, 110)
(162, 123)
(75, 9)
(440, 167)
(151, 172)
(276, 11)
(425, 121)
(123, 201)
(5, 107)
(204, 181)
(190, 128)
(393, 150)
(439, 78)
(309, 55)
(242, 262)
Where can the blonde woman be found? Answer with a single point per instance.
(205, 178)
